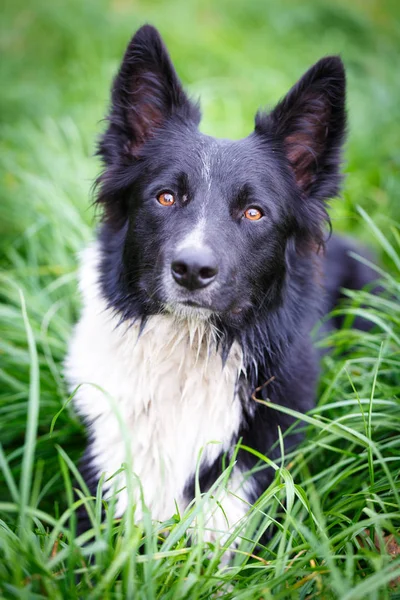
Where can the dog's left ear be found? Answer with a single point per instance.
(309, 125)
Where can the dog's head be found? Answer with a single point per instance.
(201, 225)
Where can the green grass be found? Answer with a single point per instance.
(336, 499)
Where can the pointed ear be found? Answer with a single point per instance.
(145, 94)
(309, 124)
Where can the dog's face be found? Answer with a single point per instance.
(202, 224)
(207, 222)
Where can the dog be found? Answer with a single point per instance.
(209, 271)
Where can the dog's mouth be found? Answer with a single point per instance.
(202, 310)
(188, 310)
(236, 310)
(202, 303)
(193, 303)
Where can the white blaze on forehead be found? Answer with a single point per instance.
(194, 239)
(206, 158)
(206, 168)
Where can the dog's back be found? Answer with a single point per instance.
(342, 270)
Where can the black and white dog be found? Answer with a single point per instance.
(207, 276)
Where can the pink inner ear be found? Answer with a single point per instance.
(145, 114)
(306, 142)
(145, 119)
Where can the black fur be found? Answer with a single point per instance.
(271, 272)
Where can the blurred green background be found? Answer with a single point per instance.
(59, 59)
(57, 63)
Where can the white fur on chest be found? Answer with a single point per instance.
(172, 391)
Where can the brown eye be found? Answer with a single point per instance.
(166, 199)
(253, 214)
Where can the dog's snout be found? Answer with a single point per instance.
(194, 268)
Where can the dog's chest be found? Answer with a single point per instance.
(174, 396)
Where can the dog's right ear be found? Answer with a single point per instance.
(146, 93)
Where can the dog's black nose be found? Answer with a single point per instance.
(194, 268)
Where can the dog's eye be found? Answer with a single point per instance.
(166, 199)
(253, 214)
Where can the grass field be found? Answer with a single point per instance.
(336, 499)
